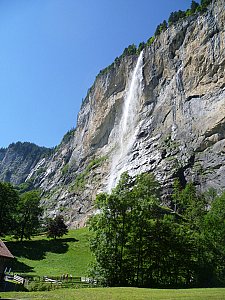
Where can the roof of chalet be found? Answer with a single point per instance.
(4, 251)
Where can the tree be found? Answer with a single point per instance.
(172, 18)
(193, 209)
(188, 202)
(157, 31)
(56, 227)
(150, 40)
(160, 28)
(8, 207)
(110, 227)
(176, 16)
(140, 47)
(194, 6)
(205, 3)
(130, 50)
(139, 242)
(214, 234)
(164, 25)
(29, 212)
(122, 230)
(176, 195)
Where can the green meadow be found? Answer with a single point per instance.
(120, 294)
(46, 257)
(70, 254)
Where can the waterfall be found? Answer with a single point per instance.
(128, 124)
(179, 80)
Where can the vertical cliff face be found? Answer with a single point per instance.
(177, 130)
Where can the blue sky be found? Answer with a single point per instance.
(51, 52)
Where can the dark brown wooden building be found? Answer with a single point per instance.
(5, 256)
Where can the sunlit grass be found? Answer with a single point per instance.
(121, 294)
(44, 257)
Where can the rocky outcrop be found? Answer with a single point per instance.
(180, 130)
(19, 159)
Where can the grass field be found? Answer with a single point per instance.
(44, 257)
(121, 294)
(71, 255)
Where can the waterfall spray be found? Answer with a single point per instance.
(128, 123)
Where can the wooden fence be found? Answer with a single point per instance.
(59, 281)
(14, 277)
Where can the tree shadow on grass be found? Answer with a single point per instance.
(20, 267)
(36, 250)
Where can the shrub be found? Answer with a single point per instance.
(81, 178)
(65, 169)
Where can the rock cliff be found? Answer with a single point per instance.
(17, 161)
(174, 125)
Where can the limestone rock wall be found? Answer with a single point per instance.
(19, 159)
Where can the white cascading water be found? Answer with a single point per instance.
(128, 124)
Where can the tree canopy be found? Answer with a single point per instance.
(19, 213)
(28, 216)
(56, 227)
(139, 242)
(9, 199)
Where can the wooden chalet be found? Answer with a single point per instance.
(5, 256)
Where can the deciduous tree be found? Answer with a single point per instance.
(9, 199)
(29, 213)
(56, 227)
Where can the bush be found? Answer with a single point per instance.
(80, 180)
(65, 169)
